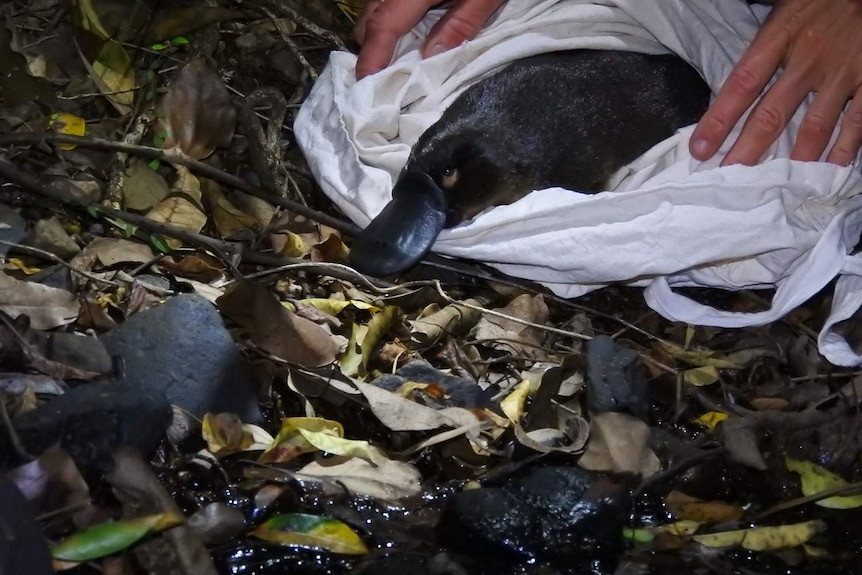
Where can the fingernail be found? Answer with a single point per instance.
(700, 149)
(435, 50)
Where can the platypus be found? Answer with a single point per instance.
(569, 119)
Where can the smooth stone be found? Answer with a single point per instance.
(78, 351)
(182, 348)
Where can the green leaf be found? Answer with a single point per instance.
(180, 40)
(311, 531)
(154, 164)
(159, 47)
(816, 479)
(160, 243)
(107, 538)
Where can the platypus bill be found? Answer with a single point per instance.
(569, 119)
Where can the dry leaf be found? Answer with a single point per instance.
(764, 538)
(685, 507)
(385, 479)
(47, 307)
(199, 111)
(619, 443)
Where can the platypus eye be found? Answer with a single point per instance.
(450, 178)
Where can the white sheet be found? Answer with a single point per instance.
(671, 221)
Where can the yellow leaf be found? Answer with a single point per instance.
(336, 306)
(293, 246)
(290, 443)
(764, 538)
(701, 376)
(711, 418)
(19, 264)
(680, 528)
(684, 506)
(114, 75)
(698, 358)
(513, 404)
(70, 124)
(816, 479)
(225, 433)
(339, 446)
(302, 530)
(364, 339)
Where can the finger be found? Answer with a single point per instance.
(767, 120)
(818, 124)
(741, 88)
(849, 139)
(459, 24)
(359, 29)
(383, 28)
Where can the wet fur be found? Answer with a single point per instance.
(568, 119)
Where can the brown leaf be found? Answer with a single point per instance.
(143, 187)
(685, 507)
(47, 307)
(275, 329)
(199, 111)
(619, 443)
(509, 333)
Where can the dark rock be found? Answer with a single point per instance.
(615, 378)
(90, 422)
(12, 227)
(562, 515)
(23, 548)
(183, 349)
(410, 563)
(253, 557)
(78, 351)
(462, 392)
(582, 513)
(489, 521)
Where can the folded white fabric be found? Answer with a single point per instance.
(670, 221)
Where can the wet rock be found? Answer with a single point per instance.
(490, 521)
(183, 349)
(23, 548)
(90, 422)
(462, 392)
(564, 515)
(582, 514)
(254, 557)
(408, 563)
(615, 378)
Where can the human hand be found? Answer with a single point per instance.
(383, 23)
(819, 45)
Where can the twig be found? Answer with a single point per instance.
(285, 37)
(56, 259)
(304, 22)
(174, 157)
(21, 178)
